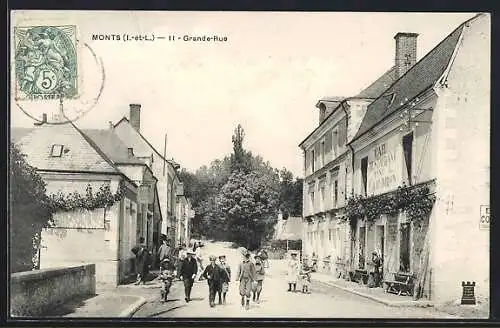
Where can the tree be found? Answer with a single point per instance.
(250, 204)
(30, 212)
(290, 194)
(240, 158)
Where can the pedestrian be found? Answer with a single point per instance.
(376, 264)
(305, 278)
(181, 256)
(213, 275)
(164, 252)
(246, 277)
(259, 278)
(199, 259)
(293, 272)
(264, 257)
(225, 279)
(188, 271)
(141, 263)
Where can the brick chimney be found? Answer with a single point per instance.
(135, 116)
(44, 120)
(406, 52)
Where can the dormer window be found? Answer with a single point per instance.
(56, 150)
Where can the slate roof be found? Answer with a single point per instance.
(79, 154)
(169, 161)
(380, 85)
(16, 133)
(417, 79)
(111, 145)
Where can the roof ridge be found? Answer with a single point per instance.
(96, 148)
(377, 80)
(148, 143)
(413, 69)
(422, 59)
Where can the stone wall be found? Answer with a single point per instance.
(34, 292)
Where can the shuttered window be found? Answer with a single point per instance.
(342, 137)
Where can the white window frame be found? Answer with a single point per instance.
(56, 150)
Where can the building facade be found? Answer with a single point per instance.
(416, 133)
(69, 164)
(164, 170)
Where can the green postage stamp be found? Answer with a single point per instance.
(45, 62)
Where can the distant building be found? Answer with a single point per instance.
(288, 229)
(422, 124)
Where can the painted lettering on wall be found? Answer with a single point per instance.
(382, 169)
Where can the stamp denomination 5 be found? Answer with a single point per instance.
(46, 62)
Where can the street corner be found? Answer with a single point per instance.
(133, 307)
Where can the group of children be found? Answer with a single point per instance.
(298, 273)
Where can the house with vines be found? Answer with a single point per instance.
(416, 170)
(97, 187)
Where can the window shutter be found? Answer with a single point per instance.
(342, 136)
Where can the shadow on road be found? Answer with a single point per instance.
(197, 299)
(166, 311)
(169, 300)
(67, 307)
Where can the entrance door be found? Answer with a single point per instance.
(381, 239)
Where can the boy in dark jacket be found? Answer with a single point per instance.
(188, 271)
(226, 278)
(213, 275)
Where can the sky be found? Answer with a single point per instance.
(267, 76)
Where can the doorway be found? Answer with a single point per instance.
(381, 240)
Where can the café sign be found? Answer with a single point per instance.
(383, 168)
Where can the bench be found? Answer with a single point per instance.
(400, 284)
(359, 275)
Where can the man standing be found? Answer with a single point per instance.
(181, 256)
(140, 264)
(246, 276)
(213, 275)
(164, 251)
(188, 271)
(226, 278)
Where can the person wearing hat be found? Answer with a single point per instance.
(259, 278)
(293, 272)
(181, 256)
(225, 279)
(246, 277)
(375, 274)
(164, 251)
(166, 276)
(213, 275)
(188, 271)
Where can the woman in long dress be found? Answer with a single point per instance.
(293, 272)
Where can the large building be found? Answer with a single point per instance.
(71, 159)
(411, 139)
(70, 162)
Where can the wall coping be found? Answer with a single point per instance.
(20, 277)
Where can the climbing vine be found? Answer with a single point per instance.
(104, 197)
(416, 201)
